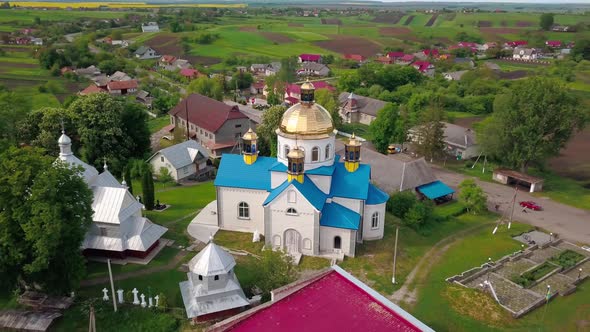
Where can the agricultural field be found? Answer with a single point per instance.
(114, 5)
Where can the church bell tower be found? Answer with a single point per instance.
(352, 154)
(249, 147)
(295, 159)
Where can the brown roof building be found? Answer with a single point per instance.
(359, 109)
(213, 124)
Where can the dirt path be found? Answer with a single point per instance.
(123, 276)
(408, 292)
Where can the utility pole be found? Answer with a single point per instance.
(513, 203)
(92, 321)
(112, 285)
(395, 254)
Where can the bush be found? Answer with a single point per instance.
(567, 258)
(419, 215)
(400, 203)
(164, 175)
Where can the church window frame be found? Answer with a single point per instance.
(200, 277)
(375, 220)
(162, 158)
(337, 242)
(216, 277)
(315, 154)
(291, 212)
(286, 150)
(292, 196)
(328, 151)
(243, 210)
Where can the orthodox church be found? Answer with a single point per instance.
(305, 201)
(118, 230)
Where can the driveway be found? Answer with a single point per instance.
(569, 222)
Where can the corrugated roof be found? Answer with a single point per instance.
(182, 154)
(376, 195)
(205, 112)
(121, 85)
(435, 190)
(233, 172)
(212, 260)
(338, 216)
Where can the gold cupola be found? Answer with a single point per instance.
(352, 154)
(249, 147)
(306, 120)
(295, 162)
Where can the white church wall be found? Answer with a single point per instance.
(370, 233)
(277, 178)
(307, 145)
(229, 199)
(303, 222)
(347, 240)
(323, 182)
(352, 204)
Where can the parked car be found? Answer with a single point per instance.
(531, 205)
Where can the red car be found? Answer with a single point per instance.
(531, 205)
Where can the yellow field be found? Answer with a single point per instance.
(47, 4)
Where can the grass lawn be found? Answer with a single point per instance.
(374, 259)
(155, 124)
(471, 310)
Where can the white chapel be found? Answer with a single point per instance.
(306, 200)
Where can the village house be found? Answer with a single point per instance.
(258, 68)
(454, 75)
(166, 60)
(562, 28)
(328, 300)
(215, 125)
(355, 57)
(89, 71)
(92, 88)
(424, 67)
(464, 61)
(143, 97)
(122, 87)
(524, 53)
(272, 68)
(313, 69)
(119, 76)
(384, 60)
(515, 43)
(150, 27)
(358, 109)
(37, 41)
(146, 52)
(316, 58)
(460, 141)
(395, 55)
(488, 45)
(553, 43)
(121, 43)
(189, 73)
(182, 161)
(118, 229)
(405, 60)
(293, 91)
(257, 88)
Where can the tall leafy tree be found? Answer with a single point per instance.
(581, 50)
(13, 109)
(128, 178)
(207, 87)
(275, 89)
(42, 128)
(531, 123)
(329, 101)
(271, 119)
(383, 128)
(546, 21)
(147, 184)
(47, 208)
(288, 70)
(429, 141)
(472, 196)
(275, 269)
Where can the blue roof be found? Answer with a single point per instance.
(336, 215)
(234, 172)
(323, 170)
(435, 189)
(376, 195)
(308, 189)
(351, 184)
(278, 167)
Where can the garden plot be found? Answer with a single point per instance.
(517, 267)
(558, 282)
(544, 254)
(510, 295)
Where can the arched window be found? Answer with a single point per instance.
(315, 154)
(292, 196)
(243, 210)
(286, 150)
(337, 242)
(291, 212)
(200, 277)
(216, 278)
(375, 220)
(327, 154)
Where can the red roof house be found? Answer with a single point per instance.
(189, 73)
(406, 58)
(467, 44)
(167, 59)
(64, 70)
(293, 91)
(384, 60)
(553, 43)
(431, 52)
(92, 88)
(122, 87)
(395, 55)
(516, 43)
(422, 66)
(310, 58)
(331, 300)
(212, 123)
(355, 57)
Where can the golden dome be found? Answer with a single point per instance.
(250, 135)
(306, 120)
(296, 153)
(307, 86)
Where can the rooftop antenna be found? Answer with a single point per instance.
(63, 129)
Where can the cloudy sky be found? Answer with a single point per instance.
(505, 1)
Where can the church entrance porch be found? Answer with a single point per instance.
(293, 245)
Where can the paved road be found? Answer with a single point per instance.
(569, 222)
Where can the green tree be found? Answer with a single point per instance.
(42, 128)
(275, 269)
(429, 140)
(117, 34)
(329, 101)
(581, 50)
(40, 236)
(401, 202)
(147, 186)
(271, 119)
(275, 89)
(241, 80)
(472, 196)
(288, 70)
(129, 179)
(13, 109)
(207, 87)
(419, 215)
(546, 21)
(531, 123)
(349, 81)
(382, 129)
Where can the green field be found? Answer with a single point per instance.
(23, 17)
